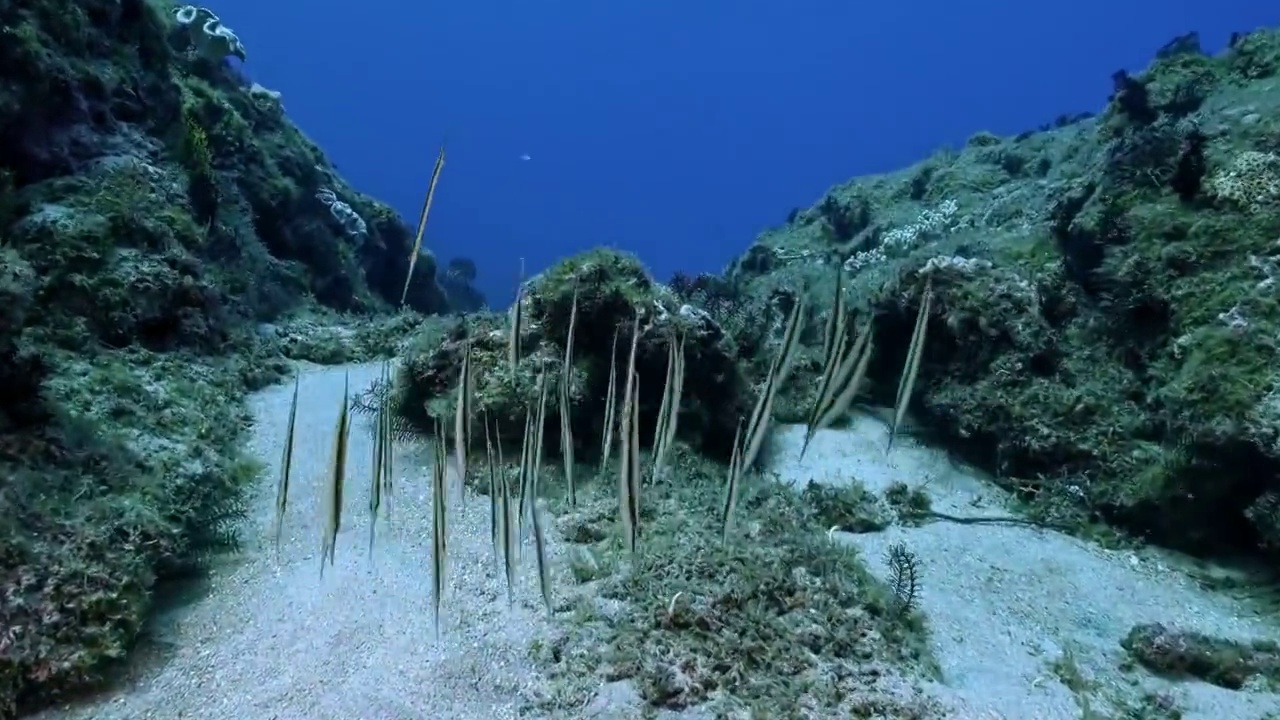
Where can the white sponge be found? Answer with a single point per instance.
(209, 37)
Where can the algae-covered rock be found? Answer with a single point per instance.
(431, 362)
(457, 282)
(334, 339)
(611, 289)
(118, 256)
(1102, 335)
(155, 210)
(1181, 654)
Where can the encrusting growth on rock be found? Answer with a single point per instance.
(1097, 298)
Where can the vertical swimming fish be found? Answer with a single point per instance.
(516, 321)
(634, 459)
(677, 395)
(539, 430)
(389, 442)
(506, 529)
(439, 547)
(540, 546)
(758, 425)
(835, 337)
(375, 486)
(525, 476)
(844, 366)
(495, 525)
(462, 421)
(286, 465)
(337, 476)
(531, 457)
(566, 424)
(791, 335)
(629, 449)
(849, 382)
(659, 429)
(747, 446)
(731, 485)
(610, 403)
(912, 365)
(508, 532)
(669, 413)
(422, 221)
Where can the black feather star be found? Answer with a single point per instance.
(904, 577)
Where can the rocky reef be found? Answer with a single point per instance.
(1104, 327)
(1102, 332)
(1104, 324)
(167, 239)
(821, 631)
(610, 288)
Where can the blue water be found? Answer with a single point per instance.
(676, 130)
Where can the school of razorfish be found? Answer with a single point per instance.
(515, 512)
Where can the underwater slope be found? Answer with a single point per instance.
(1102, 332)
(274, 640)
(127, 128)
(155, 207)
(1028, 622)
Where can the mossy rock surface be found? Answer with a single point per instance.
(1102, 336)
(779, 618)
(164, 244)
(611, 288)
(1181, 655)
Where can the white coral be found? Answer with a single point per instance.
(352, 223)
(266, 98)
(963, 265)
(903, 239)
(209, 37)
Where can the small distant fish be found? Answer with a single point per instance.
(526, 157)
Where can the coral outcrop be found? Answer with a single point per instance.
(1105, 324)
(611, 287)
